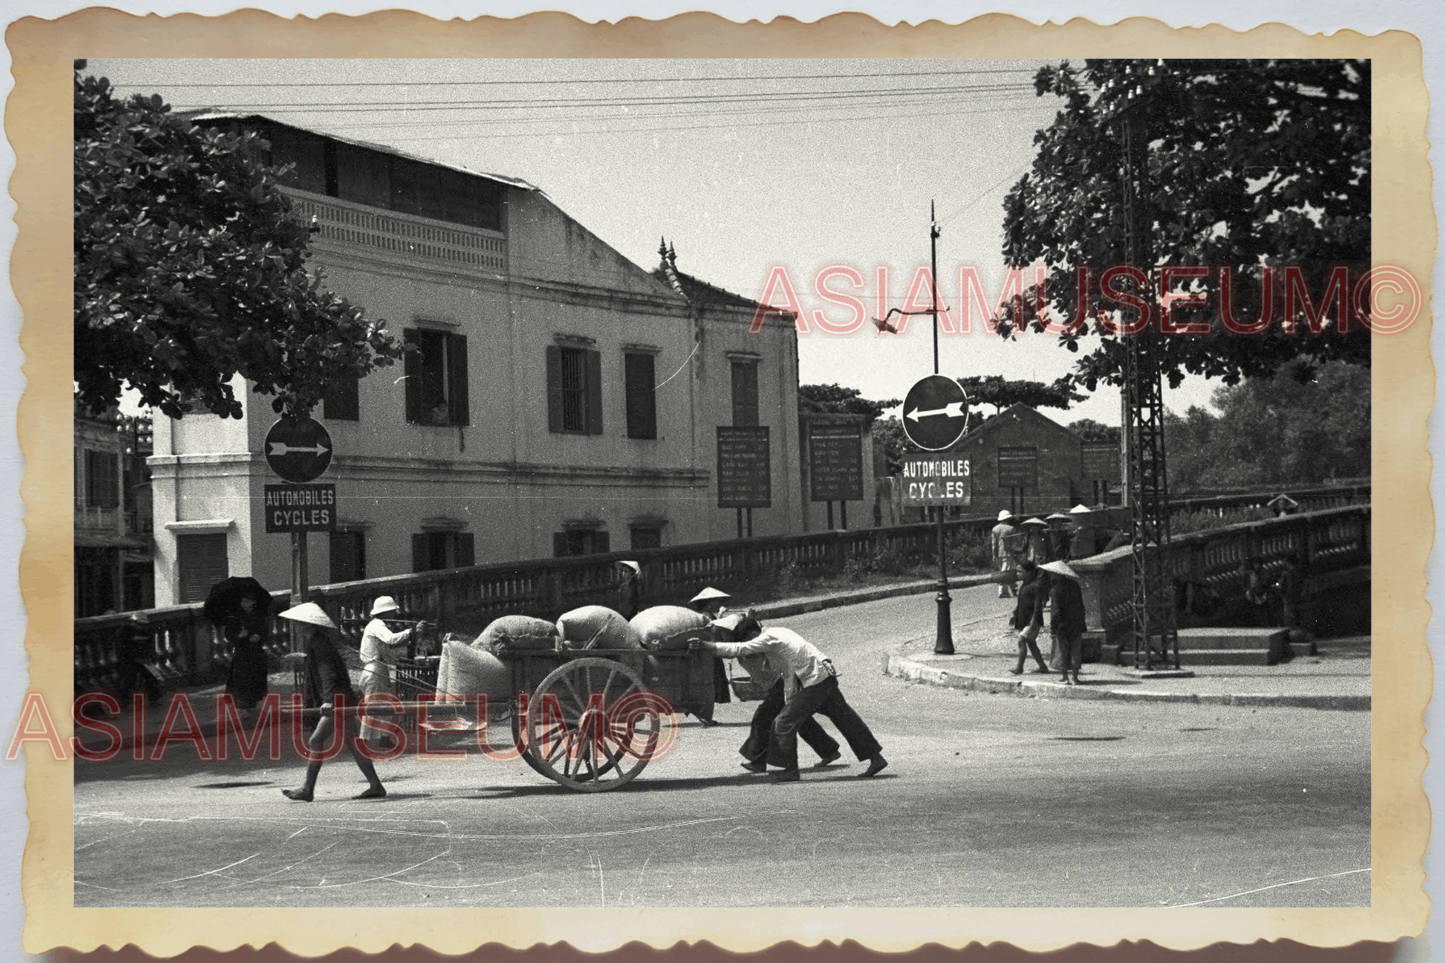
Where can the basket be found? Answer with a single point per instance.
(414, 676)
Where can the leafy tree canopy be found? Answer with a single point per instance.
(1244, 163)
(1090, 430)
(190, 270)
(1305, 425)
(836, 399)
(995, 390)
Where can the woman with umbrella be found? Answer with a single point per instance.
(241, 608)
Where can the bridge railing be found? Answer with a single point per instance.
(1213, 563)
(186, 649)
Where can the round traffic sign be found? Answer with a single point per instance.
(298, 449)
(935, 413)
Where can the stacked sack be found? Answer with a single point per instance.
(467, 671)
(688, 679)
(513, 634)
(595, 627)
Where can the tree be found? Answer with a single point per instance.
(1305, 425)
(1245, 164)
(189, 269)
(994, 390)
(838, 400)
(1090, 430)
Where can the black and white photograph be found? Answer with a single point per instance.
(488, 470)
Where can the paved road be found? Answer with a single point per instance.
(988, 801)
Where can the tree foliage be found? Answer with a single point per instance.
(995, 390)
(1244, 163)
(835, 399)
(1305, 425)
(1090, 430)
(189, 269)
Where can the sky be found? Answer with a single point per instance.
(751, 169)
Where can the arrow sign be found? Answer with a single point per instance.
(936, 413)
(281, 448)
(298, 449)
(952, 410)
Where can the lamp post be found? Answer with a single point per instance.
(943, 642)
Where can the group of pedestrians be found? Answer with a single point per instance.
(1051, 588)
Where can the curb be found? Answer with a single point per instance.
(910, 671)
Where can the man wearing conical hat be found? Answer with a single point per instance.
(328, 689)
(1002, 544)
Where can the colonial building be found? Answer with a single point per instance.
(112, 514)
(563, 400)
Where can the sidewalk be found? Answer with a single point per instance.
(984, 650)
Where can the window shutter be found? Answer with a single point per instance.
(466, 549)
(559, 544)
(554, 388)
(600, 543)
(641, 396)
(594, 392)
(420, 557)
(412, 363)
(460, 403)
(201, 562)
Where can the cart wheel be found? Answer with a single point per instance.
(591, 725)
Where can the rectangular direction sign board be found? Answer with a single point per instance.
(744, 467)
(300, 508)
(940, 479)
(835, 463)
(1018, 467)
(1101, 461)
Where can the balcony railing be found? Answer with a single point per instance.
(405, 235)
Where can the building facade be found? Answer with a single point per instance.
(1023, 461)
(112, 514)
(561, 400)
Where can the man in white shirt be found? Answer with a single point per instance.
(810, 685)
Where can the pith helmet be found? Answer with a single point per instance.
(1005, 515)
(310, 613)
(384, 604)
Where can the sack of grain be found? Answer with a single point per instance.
(595, 627)
(517, 633)
(468, 672)
(669, 627)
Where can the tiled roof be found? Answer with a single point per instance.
(694, 289)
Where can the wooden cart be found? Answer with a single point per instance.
(591, 719)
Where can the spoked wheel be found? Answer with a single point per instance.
(591, 726)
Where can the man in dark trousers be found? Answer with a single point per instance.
(810, 685)
(1066, 618)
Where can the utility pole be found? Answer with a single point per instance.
(943, 643)
(1156, 636)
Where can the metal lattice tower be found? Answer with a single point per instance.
(1156, 637)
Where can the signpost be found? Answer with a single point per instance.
(930, 480)
(935, 413)
(835, 465)
(744, 470)
(299, 451)
(1101, 466)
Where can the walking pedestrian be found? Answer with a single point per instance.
(328, 690)
(1066, 618)
(1028, 619)
(382, 644)
(240, 607)
(810, 685)
(1035, 532)
(1002, 544)
(712, 603)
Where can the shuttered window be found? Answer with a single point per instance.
(745, 393)
(348, 556)
(580, 541)
(436, 378)
(434, 551)
(102, 479)
(342, 401)
(574, 390)
(639, 373)
(647, 535)
(200, 563)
